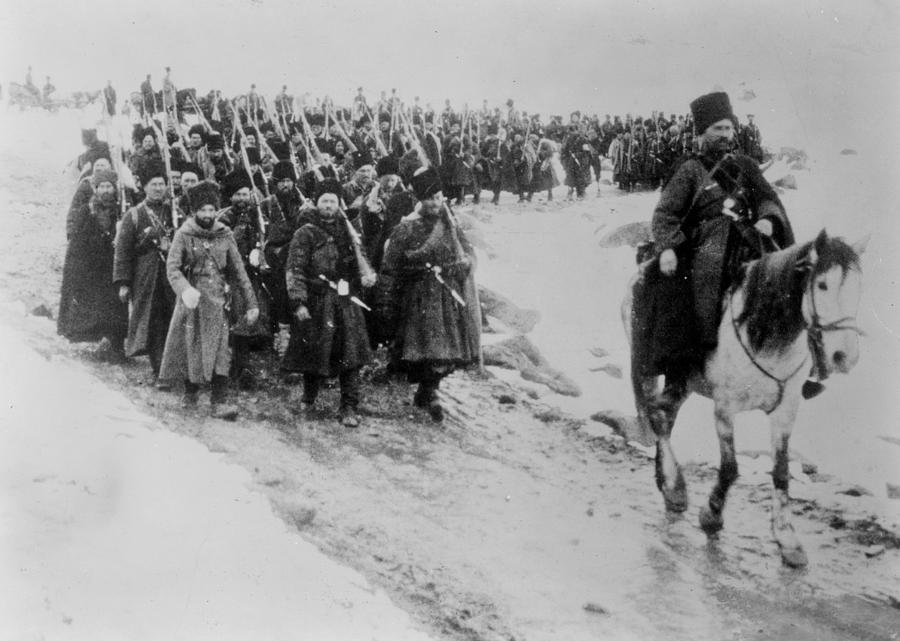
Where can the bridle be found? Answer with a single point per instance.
(815, 335)
(815, 331)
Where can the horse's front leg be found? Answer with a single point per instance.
(783, 418)
(711, 514)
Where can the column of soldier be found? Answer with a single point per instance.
(199, 244)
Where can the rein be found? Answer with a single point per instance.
(815, 334)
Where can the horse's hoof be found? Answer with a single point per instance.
(710, 521)
(794, 557)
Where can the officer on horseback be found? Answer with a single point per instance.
(715, 213)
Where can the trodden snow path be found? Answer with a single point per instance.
(113, 529)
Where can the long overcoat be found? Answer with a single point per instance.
(710, 245)
(207, 260)
(141, 247)
(89, 306)
(431, 325)
(334, 339)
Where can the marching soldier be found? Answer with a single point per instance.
(324, 284)
(428, 295)
(139, 271)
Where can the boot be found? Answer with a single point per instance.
(189, 398)
(435, 411)
(811, 388)
(219, 408)
(348, 417)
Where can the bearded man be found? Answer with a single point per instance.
(203, 266)
(89, 309)
(428, 294)
(139, 270)
(716, 212)
(325, 291)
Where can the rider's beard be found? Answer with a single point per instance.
(716, 147)
(107, 200)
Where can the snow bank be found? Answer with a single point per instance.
(114, 529)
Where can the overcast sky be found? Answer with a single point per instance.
(598, 56)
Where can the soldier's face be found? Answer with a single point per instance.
(216, 154)
(188, 180)
(718, 136)
(431, 207)
(205, 216)
(284, 186)
(105, 189)
(176, 181)
(328, 205)
(241, 196)
(155, 188)
(101, 163)
(196, 140)
(148, 142)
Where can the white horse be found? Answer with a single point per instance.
(790, 311)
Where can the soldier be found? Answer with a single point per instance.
(109, 98)
(751, 140)
(428, 294)
(700, 249)
(217, 163)
(324, 286)
(139, 271)
(203, 266)
(46, 91)
(576, 158)
(89, 309)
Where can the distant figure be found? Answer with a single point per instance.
(47, 90)
(109, 97)
(168, 90)
(29, 83)
(751, 140)
(148, 97)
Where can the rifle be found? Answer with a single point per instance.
(379, 143)
(343, 134)
(260, 219)
(366, 274)
(167, 161)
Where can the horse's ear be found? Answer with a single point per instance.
(818, 246)
(860, 245)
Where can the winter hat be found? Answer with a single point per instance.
(387, 165)
(153, 170)
(103, 176)
(710, 109)
(426, 183)
(408, 165)
(88, 137)
(197, 129)
(204, 193)
(234, 182)
(215, 141)
(283, 169)
(328, 186)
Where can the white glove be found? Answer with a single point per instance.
(254, 258)
(252, 315)
(764, 226)
(191, 298)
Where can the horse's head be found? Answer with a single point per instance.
(831, 302)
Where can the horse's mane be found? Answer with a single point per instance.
(774, 285)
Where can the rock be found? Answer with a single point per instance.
(855, 490)
(791, 155)
(610, 368)
(748, 95)
(631, 234)
(506, 399)
(628, 427)
(787, 182)
(893, 491)
(43, 311)
(874, 550)
(848, 152)
(809, 468)
(549, 415)
(519, 353)
(599, 352)
(507, 312)
(594, 608)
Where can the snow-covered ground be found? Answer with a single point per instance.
(112, 527)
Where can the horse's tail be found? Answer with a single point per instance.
(643, 387)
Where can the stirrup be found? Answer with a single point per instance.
(811, 388)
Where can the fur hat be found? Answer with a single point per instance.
(151, 170)
(426, 183)
(408, 165)
(281, 149)
(103, 176)
(283, 169)
(203, 193)
(387, 165)
(710, 109)
(316, 119)
(88, 137)
(384, 117)
(253, 155)
(215, 141)
(197, 129)
(329, 186)
(234, 182)
(189, 167)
